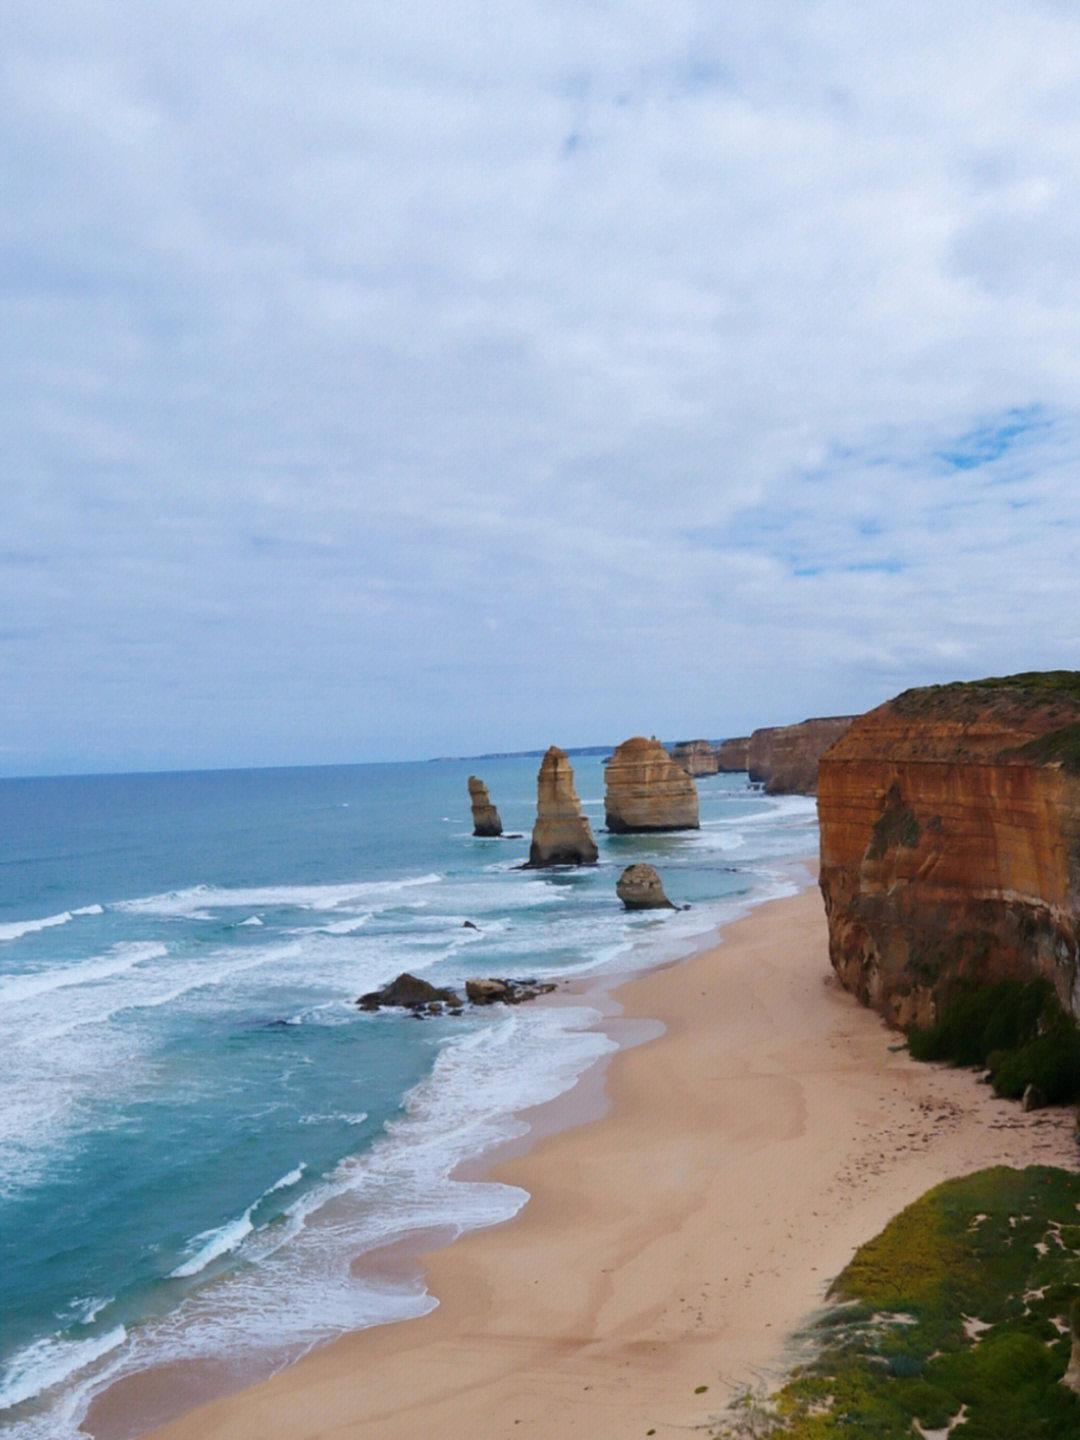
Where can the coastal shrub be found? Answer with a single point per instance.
(1019, 1032)
(899, 1356)
(1051, 1063)
(982, 1019)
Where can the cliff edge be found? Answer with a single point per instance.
(950, 842)
(783, 759)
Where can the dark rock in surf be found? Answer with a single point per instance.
(488, 990)
(408, 992)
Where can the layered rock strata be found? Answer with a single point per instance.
(645, 790)
(486, 820)
(731, 754)
(639, 887)
(784, 758)
(696, 757)
(950, 843)
(562, 834)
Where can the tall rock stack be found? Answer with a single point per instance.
(486, 820)
(950, 843)
(562, 835)
(646, 790)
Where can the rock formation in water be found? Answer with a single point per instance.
(646, 790)
(488, 990)
(562, 835)
(486, 820)
(784, 758)
(639, 888)
(408, 992)
(950, 842)
(731, 754)
(696, 757)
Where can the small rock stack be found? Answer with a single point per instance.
(486, 820)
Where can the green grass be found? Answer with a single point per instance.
(1001, 1248)
(1031, 689)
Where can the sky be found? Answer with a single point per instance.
(427, 377)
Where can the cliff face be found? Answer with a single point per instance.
(562, 834)
(696, 757)
(950, 842)
(646, 790)
(784, 758)
(731, 754)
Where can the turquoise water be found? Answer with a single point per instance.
(198, 1130)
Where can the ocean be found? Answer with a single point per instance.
(199, 1131)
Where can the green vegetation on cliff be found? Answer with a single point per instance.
(956, 1314)
(1019, 1032)
(1029, 690)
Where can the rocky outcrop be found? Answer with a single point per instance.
(491, 991)
(950, 842)
(639, 888)
(486, 820)
(408, 992)
(696, 757)
(562, 835)
(645, 790)
(784, 758)
(731, 754)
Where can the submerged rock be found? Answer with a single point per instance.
(562, 835)
(486, 821)
(639, 888)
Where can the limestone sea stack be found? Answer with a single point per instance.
(696, 757)
(639, 887)
(950, 843)
(645, 790)
(486, 820)
(562, 835)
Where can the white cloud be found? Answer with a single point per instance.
(410, 379)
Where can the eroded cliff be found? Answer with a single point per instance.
(784, 758)
(950, 842)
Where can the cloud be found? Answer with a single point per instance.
(409, 379)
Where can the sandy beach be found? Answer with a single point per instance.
(676, 1241)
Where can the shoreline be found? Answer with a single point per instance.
(691, 1198)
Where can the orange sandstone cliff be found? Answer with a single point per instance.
(950, 842)
(784, 758)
